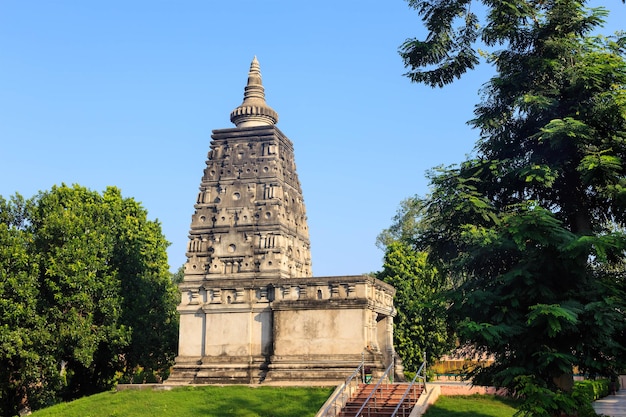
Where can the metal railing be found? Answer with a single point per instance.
(340, 398)
(419, 375)
(366, 403)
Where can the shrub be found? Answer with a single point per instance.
(591, 390)
(538, 400)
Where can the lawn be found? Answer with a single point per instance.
(245, 401)
(472, 406)
(210, 401)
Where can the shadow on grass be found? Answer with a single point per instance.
(205, 401)
(472, 406)
(260, 402)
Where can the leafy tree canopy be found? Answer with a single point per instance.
(458, 28)
(531, 228)
(420, 326)
(420, 330)
(86, 295)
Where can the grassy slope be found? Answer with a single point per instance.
(211, 401)
(472, 406)
(244, 401)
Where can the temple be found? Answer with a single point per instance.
(251, 311)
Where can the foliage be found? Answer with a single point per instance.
(532, 227)
(542, 401)
(456, 30)
(27, 369)
(179, 275)
(87, 294)
(587, 391)
(209, 401)
(420, 330)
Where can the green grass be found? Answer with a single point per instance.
(245, 401)
(472, 406)
(211, 401)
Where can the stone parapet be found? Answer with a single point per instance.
(283, 329)
(298, 293)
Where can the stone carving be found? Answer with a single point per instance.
(250, 309)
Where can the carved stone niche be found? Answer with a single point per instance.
(233, 296)
(194, 297)
(214, 296)
(264, 294)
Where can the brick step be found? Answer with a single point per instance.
(375, 412)
(362, 395)
(357, 405)
(389, 392)
(387, 396)
(383, 400)
(379, 400)
(353, 408)
(389, 387)
(379, 412)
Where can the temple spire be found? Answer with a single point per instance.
(254, 111)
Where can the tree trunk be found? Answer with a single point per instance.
(564, 382)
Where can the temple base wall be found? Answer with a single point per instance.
(292, 330)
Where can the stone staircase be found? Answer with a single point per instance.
(383, 402)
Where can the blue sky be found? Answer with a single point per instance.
(126, 93)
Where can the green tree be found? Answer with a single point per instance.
(27, 369)
(85, 283)
(179, 275)
(532, 227)
(80, 289)
(420, 324)
(150, 297)
(420, 327)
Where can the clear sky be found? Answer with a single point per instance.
(126, 93)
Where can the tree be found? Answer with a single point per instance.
(86, 285)
(27, 369)
(420, 328)
(80, 289)
(179, 275)
(531, 228)
(151, 298)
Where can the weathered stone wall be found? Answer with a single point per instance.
(310, 332)
(295, 329)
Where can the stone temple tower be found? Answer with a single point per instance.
(250, 309)
(250, 219)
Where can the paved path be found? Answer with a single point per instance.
(612, 405)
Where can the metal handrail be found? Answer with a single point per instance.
(341, 394)
(408, 390)
(382, 378)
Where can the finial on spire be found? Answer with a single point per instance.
(254, 111)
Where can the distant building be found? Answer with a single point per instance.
(251, 311)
